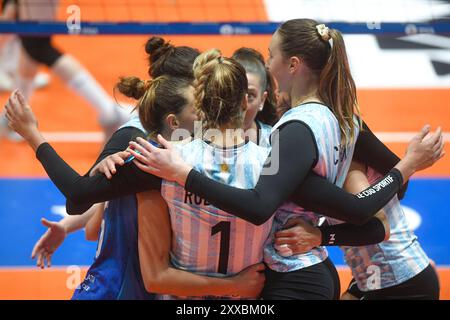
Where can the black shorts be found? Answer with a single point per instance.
(424, 286)
(317, 282)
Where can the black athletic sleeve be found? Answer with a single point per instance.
(119, 141)
(374, 153)
(296, 158)
(83, 191)
(297, 155)
(346, 234)
(318, 195)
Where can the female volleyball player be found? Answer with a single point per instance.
(163, 59)
(396, 268)
(322, 124)
(117, 256)
(261, 106)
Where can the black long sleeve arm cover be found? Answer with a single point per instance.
(318, 195)
(83, 191)
(374, 153)
(346, 234)
(297, 155)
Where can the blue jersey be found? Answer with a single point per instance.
(116, 273)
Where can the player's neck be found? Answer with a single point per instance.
(303, 92)
(228, 138)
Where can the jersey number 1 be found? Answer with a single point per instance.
(224, 229)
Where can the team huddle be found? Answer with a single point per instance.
(232, 177)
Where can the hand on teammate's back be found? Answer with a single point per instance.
(297, 237)
(108, 165)
(165, 162)
(250, 281)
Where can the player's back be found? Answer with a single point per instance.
(207, 240)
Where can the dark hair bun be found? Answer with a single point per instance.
(131, 87)
(157, 47)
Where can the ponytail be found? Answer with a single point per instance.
(323, 51)
(337, 88)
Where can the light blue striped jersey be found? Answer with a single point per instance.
(391, 262)
(133, 122)
(205, 239)
(264, 134)
(333, 162)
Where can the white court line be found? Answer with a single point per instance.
(402, 136)
(93, 137)
(97, 137)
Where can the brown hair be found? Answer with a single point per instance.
(167, 59)
(301, 38)
(156, 98)
(253, 62)
(220, 88)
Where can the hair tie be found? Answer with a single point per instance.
(324, 32)
(147, 84)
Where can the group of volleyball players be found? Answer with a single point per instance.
(205, 216)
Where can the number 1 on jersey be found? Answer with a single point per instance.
(224, 229)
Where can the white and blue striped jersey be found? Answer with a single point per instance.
(333, 164)
(134, 122)
(264, 134)
(391, 262)
(205, 239)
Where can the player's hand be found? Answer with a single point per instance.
(108, 165)
(164, 162)
(423, 151)
(48, 243)
(20, 116)
(22, 120)
(297, 237)
(249, 282)
(426, 149)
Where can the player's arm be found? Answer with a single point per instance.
(375, 154)
(295, 152)
(79, 190)
(154, 242)
(93, 225)
(375, 230)
(299, 236)
(55, 235)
